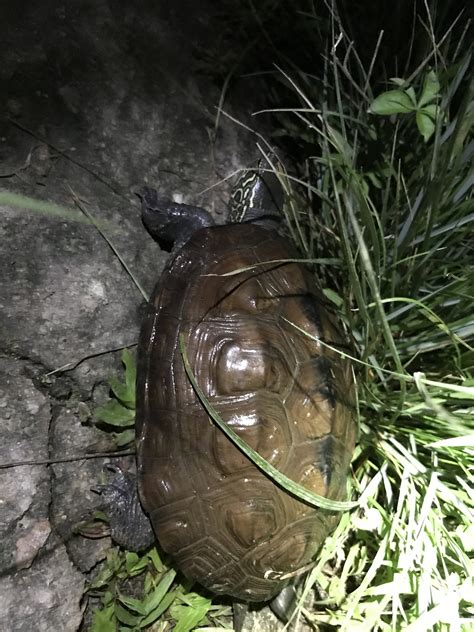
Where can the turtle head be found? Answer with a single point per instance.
(257, 198)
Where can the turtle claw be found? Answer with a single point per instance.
(117, 483)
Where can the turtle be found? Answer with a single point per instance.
(262, 343)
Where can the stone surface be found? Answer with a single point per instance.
(45, 597)
(39, 587)
(97, 99)
(25, 491)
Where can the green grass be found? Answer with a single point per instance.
(400, 220)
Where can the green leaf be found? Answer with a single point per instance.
(163, 606)
(398, 81)
(134, 564)
(131, 558)
(431, 89)
(374, 179)
(122, 392)
(125, 391)
(104, 620)
(392, 102)
(100, 515)
(125, 437)
(115, 414)
(340, 143)
(133, 604)
(194, 600)
(425, 121)
(189, 614)
(130, 371)
(411, 93)
(432, 110)
(155, 559)
(188, 619)
(153, 599)
(333, 297)
(125, 616)
(466, 535)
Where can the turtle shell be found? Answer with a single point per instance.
(226, 524)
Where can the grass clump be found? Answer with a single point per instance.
(388, 189)
(162, 598)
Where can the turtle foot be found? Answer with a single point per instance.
(130, 527)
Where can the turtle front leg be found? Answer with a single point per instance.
(170, 222)
(129, 524)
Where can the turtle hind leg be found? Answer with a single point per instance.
(130, 527)
(265, 615)
(283, 605)
(170, 222)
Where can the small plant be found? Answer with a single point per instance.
(119, 411)
(396, 212)
(404, 101)
(162, 596)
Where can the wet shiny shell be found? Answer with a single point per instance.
(225, 523)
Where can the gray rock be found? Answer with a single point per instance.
(98, 98)
(25, 491)
(39, 587)
(44, 598)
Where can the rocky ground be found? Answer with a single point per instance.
(98, 98)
